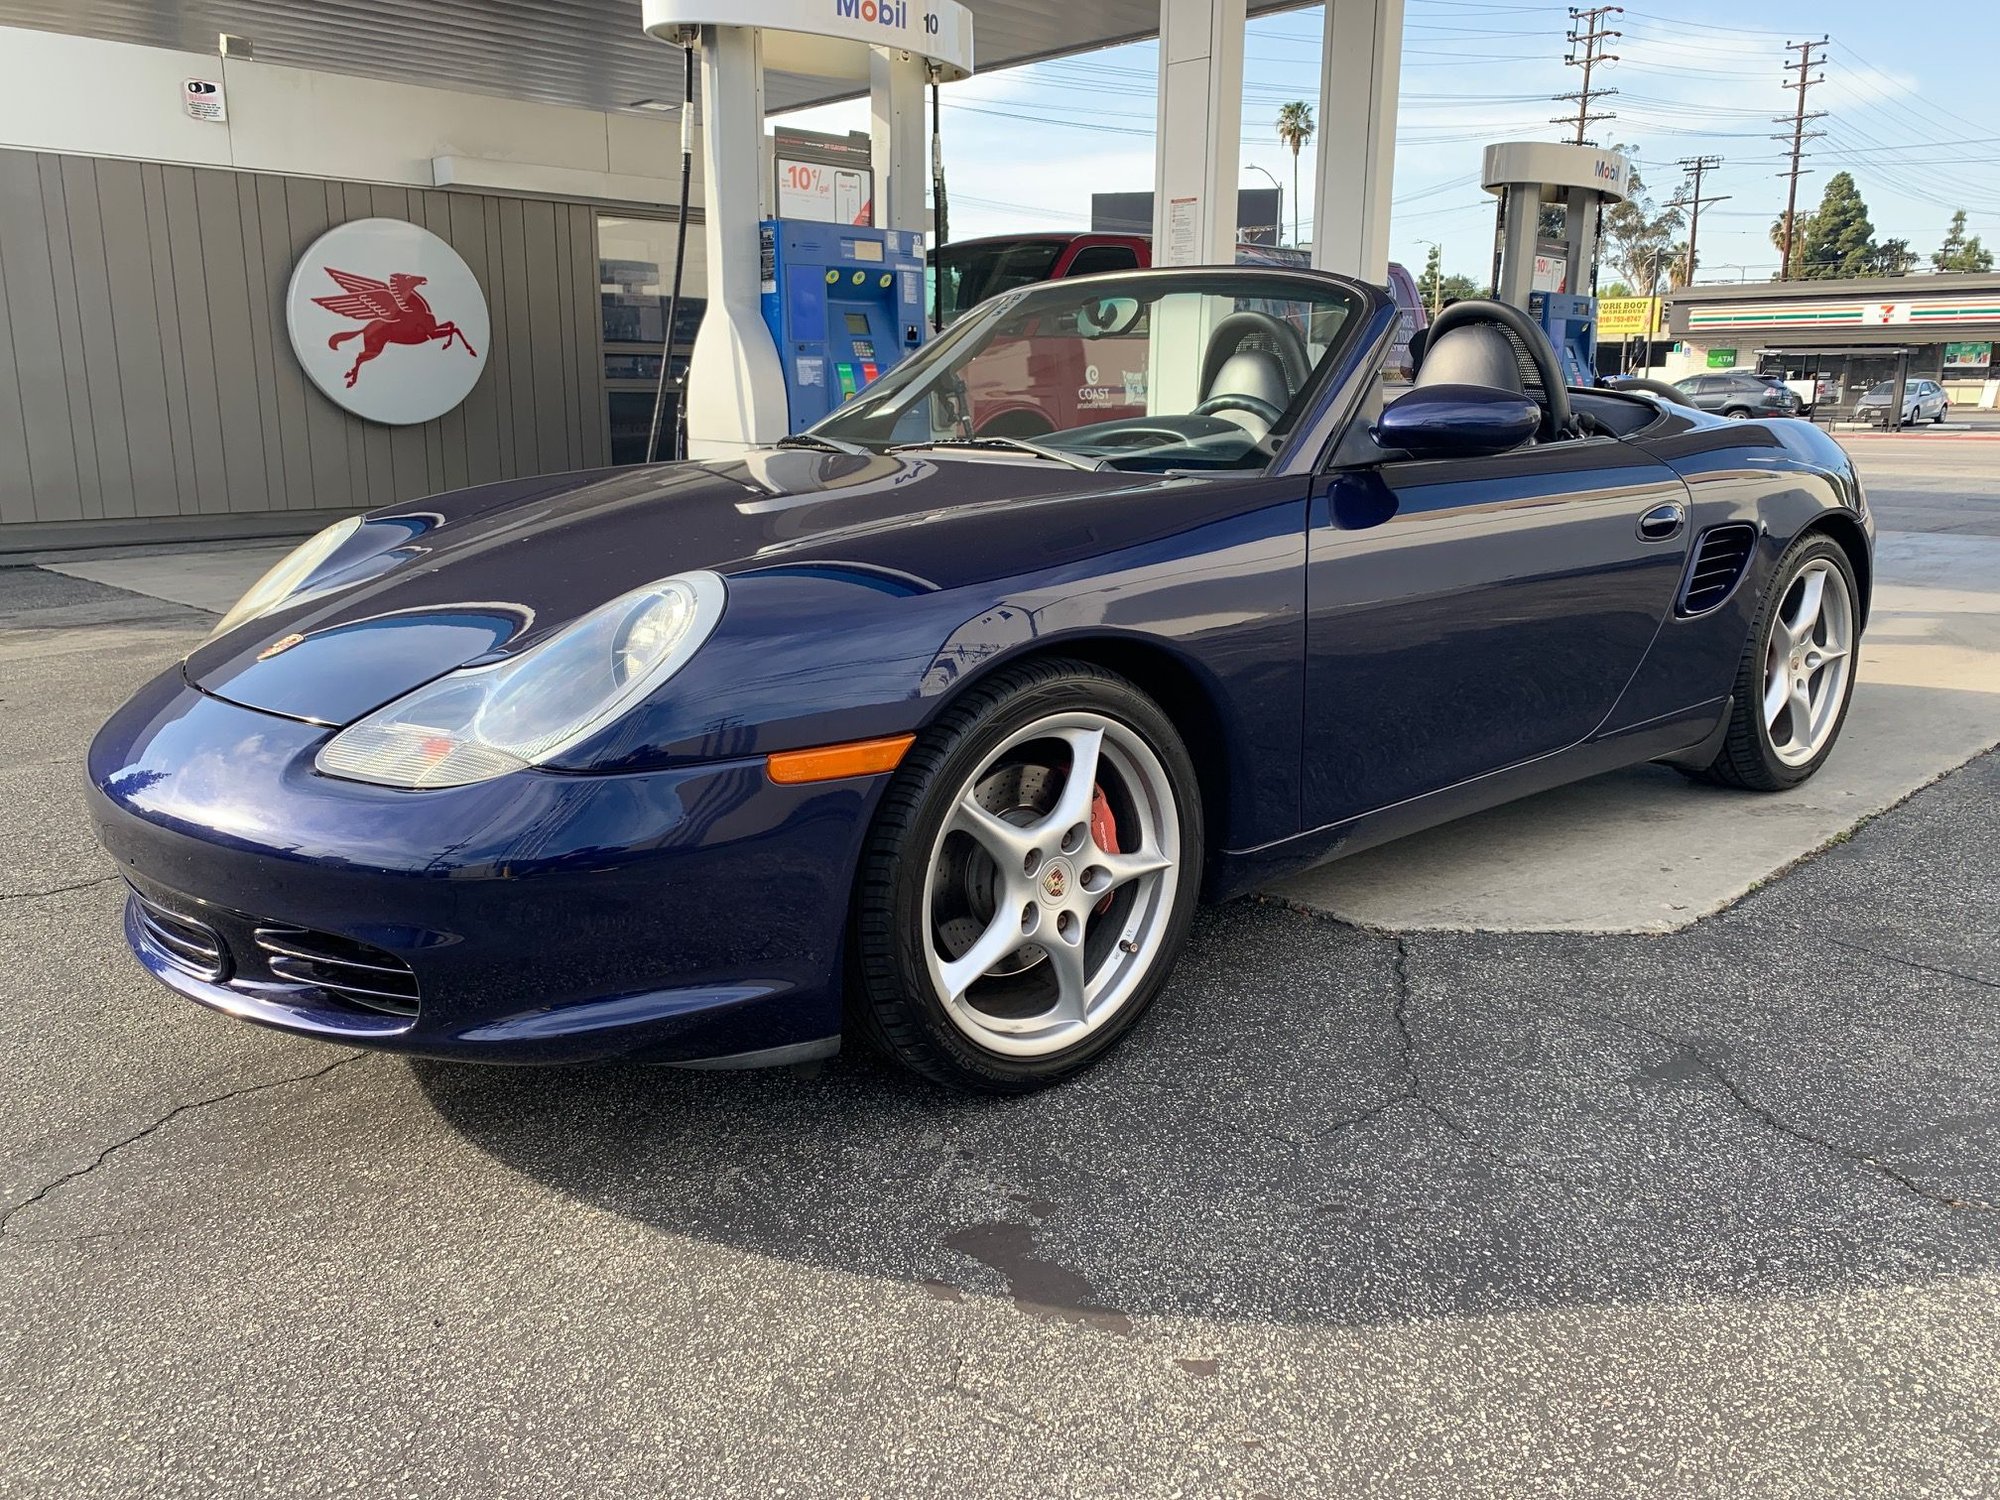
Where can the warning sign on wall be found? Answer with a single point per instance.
(202, 99)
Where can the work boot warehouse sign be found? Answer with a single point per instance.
(940, 30)
(388, 321)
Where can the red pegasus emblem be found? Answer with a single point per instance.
(393, 311)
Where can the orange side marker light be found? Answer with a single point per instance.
(834, 762)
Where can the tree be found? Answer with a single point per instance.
(1679, 272)
(1796, 246)
(1295, 128)
(1640, 235)
(1433, 279)
(1457, 288)
(1958, 253)
(1894, 258)
(1839, 240)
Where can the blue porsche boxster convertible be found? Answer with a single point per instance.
(909, 729)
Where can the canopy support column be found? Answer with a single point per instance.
(735, 386)
(1359, 83)
(896, 124)
(1200, 132)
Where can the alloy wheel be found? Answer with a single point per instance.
(1051, 885)
(1808, 662)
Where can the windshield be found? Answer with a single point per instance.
(969, 274)
(1880, 392)
(1199, 370)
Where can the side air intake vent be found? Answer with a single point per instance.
(1719, 560)
(351, 971)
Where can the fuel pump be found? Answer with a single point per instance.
(844, 303)
(1545, 238)
(803, 314)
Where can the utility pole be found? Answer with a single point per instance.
(1587, 31)
(1799, 136)
(1696, 167)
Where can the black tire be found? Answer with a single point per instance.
(1736, 413)
(1747, 759)
(1943, 412)
(892, 1000)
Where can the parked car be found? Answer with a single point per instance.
(1646, 383)
(1923, 401)
(897, 733)
(1738, 393)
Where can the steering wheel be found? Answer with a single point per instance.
(1556, 419)
(1257, 406)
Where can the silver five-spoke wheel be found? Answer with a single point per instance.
(1051, 884)
(1029, 879)
(1796, 676)
(1807, 662)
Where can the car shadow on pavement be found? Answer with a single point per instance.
(1322, 1124)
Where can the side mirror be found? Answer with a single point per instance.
(1457, 421)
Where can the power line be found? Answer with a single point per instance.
(1803, 67)
(1591, 37)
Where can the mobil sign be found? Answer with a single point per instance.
(939, 31)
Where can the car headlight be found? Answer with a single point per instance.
(283, 581)
(481, 722)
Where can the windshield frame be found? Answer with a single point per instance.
(1358, 344)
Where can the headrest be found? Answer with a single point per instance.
(1473, 354)
(1252, 372)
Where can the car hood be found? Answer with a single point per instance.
(420, 590)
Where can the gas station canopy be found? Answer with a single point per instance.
(591, 54)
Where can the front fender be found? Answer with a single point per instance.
(822, 652)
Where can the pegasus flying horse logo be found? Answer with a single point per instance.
(393, 310)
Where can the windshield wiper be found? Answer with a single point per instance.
(830, 445)
(1011, 444)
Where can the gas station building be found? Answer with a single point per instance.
(163, 187)
(1846, 336)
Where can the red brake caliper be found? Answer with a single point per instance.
(1104, 829)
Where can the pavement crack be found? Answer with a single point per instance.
(1762, 1113)
(1911, 963)
(105, 1155)
(1414, 1090)
(58, 890)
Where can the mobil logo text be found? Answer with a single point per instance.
(894, 13)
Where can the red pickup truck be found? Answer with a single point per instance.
(1105, 377)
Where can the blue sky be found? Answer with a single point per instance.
(1905, 93)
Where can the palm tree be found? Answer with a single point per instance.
(1295, 128)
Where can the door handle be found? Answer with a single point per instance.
(1663, 522)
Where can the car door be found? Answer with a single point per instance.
(1468, 615)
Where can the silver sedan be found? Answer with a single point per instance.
(1923, 401)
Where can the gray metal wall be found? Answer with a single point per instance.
(145, 370)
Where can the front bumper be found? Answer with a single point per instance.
(682, 915)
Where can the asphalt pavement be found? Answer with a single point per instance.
(1412, 1213)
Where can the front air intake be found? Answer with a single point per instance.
(1719, 561)
(185, 943)
(355, 972)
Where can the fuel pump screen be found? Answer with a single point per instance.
(857, 323)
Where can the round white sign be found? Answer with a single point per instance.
(388, 320)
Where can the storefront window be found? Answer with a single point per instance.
(635, 271)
